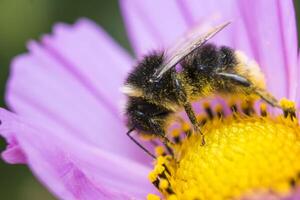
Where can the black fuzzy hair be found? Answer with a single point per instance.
(142, 73)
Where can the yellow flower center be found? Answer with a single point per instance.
(243, 154)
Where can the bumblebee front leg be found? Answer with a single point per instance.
(158, 128)
(267, 97)
(182, 98)
(285, 105)
(242, 81)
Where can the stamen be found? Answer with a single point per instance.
(247, 107)
(159, 151)
(208, 110)
(233, 107)
(202, 119)
(219, 111)
(263, 110)
(176, 136)
(288, 107)
(168, 145)
(293, 183)
(153, 197)
(163, 184)
(186, 128)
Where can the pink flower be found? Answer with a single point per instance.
(68, 127)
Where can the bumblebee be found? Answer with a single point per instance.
(156, 90)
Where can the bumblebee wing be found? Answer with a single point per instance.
(185, 47)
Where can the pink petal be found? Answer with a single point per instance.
(13, 154)
(71, 84)
(260, 32)
(294, 196)
(71, 168)
(265, 30)
(89, 54)
(152, 24)
(298, 84)
(271, 28)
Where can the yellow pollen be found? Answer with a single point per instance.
(218, 108)
(159, 151)
(153, 197)
(206, 104)
(175, 133)
(186, 126)
(172, 197)
(159, 169)
(242, 155)
(163, 184)
(263, 109)
(286, 104)
(152, 176)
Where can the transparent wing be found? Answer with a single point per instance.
(186, 46)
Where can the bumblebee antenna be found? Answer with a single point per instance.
(137, 143)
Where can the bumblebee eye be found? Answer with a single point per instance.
(226, 58)
(204, 68)
(201, 67)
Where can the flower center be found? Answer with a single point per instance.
(244, 153)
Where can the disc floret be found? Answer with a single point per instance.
(247, 152)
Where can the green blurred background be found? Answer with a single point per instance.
(22, 20)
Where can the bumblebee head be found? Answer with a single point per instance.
(246, 72)
(237, 67)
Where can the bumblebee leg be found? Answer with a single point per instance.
(137, 143)
(182, 98)
(287, 110)
(161, 133)
(267, 97)
(191, 114)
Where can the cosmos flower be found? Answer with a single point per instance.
(67, 124)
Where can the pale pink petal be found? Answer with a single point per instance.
(294, 196)
(71, 168)
(265, 30)
(13, 154)
(271, 28)
(91, 55)
(70, 83)
(298, 84)
(152, 25)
